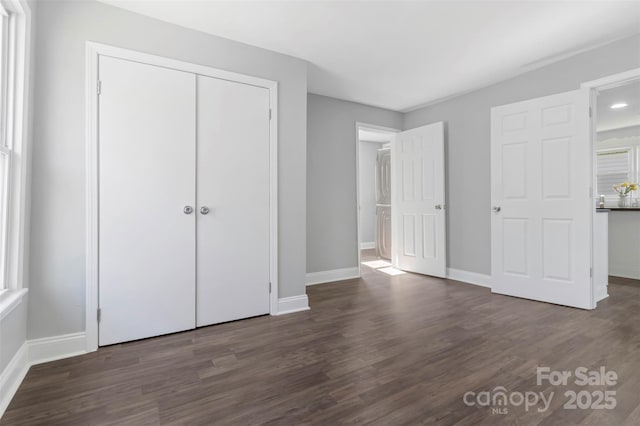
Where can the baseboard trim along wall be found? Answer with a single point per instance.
(601, 294)
(469, 277)
(289, 305)
(333, 275)
(37, 351)
(624, 271)
(12, 376)
(365, 246)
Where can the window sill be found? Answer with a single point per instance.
(9, 299)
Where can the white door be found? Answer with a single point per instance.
(418, 201)
(233, 201)
(146, 179)
(541, 199)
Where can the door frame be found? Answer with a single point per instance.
(594, 86)
(93, 51)
(376, 128)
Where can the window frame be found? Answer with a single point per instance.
(632, 169)
(14, 142)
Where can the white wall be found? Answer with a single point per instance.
(467, 135)
(57, 290)
(367, 154)
(332, 242)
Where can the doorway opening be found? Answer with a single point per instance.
(616, 182)
(373, 181)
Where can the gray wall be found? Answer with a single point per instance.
(468, 141)
(367, 154)
(331, 178)
(57, 271)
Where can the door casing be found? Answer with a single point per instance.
(358, 127)
(594, 86)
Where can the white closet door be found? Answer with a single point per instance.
(147, 177)
(233, 184)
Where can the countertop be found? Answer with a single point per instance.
(617, 209)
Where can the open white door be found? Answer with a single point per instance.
(417, 206)
(541, 199)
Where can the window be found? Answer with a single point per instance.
(14, 54)
(5, 145)
(613, 167)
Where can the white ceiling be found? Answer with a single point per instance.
(403, 54)
(609, 119)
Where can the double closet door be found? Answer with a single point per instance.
(183, 200)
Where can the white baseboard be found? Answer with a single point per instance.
(365, 246)
(37, 351)
(333, 275)
(625, 271)
(289, 305)
(12, 376)
(56, 347)
(601, 294)
(469, 277)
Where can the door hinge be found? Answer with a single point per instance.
(99, 87)
(591, 272)
(269, 113)
(99, 314)
(269, 287)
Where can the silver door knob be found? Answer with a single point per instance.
(204, 210)
(496, 209)
(188, 210)
(438, 206)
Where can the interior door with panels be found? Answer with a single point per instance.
(418, 200)
(541, 198)
(146, 187)
(233, 201)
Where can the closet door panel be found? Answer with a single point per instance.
(147, 177)
(233, 183)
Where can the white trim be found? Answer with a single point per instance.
(474, 278)
(612, 80)
(369, 245)
(601, 294)
(18, 132)
(9, 300)
(289, 305)
(37, 351)
(53, 348)
(93, 50)
(342, 274)
(594, 86)
(624, 271)
(12, 376)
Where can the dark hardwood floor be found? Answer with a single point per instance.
(381, 350)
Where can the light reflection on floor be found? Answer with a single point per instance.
(391, 271)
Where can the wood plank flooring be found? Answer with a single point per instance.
(377, 350)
